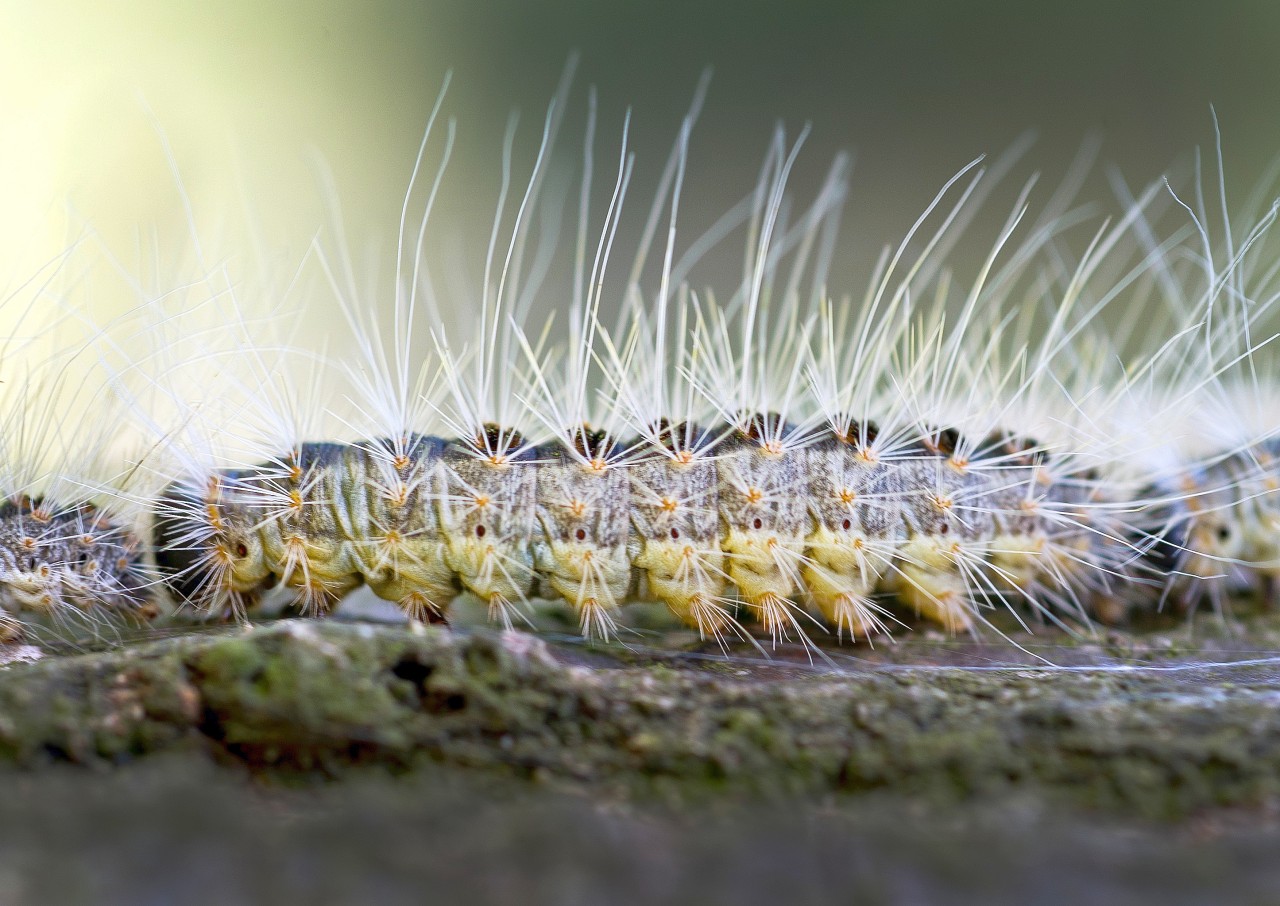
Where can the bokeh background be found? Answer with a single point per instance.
(249, 94)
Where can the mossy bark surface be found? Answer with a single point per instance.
(1156, 726)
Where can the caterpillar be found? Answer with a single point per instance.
(784, 457)
(72, 551)
(1211, 489)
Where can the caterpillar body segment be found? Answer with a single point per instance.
(763, 497)
(585, 551)
(314, 503)
(947, 523)
(1019, 538)
(675, 515)
(488, 517)
(857, 530)
(404, 555)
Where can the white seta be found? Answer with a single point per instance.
(1061, 434)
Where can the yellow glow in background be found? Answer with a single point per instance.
(245, 91)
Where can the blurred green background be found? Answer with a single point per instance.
(247, 91)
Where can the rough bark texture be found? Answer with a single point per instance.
(1165, 739)
(346, 762)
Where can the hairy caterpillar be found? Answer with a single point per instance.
(1211, 495)
(771, 456)
(72, 556)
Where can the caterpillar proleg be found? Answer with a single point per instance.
(779, 455)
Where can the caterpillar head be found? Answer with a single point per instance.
(32, 557)
(55, 557)
(208, 544)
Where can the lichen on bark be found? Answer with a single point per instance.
(1133, 724)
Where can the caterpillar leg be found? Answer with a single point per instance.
(421, 608)
(761, 566)
(11, 629)
(691, 581)
(592, 579)
(930, 581)
(780, 617)
(502, 582)
(707, 615)
(503, 611)
(421, 588)
(841, 576)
